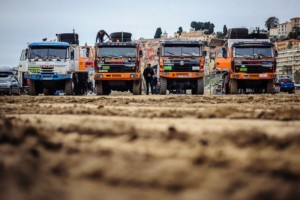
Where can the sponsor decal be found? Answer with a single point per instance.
(263, 75)
(195, 68)
(168, 67)
(34, 69)
(243, 69)
(105, 67)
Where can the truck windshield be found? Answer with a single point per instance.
(117, 52)
(181, 51)
(48, 52)
(265, 52)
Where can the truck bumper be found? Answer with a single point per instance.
(52, 77)
(184, 75)
(117, 76)
(243, 76)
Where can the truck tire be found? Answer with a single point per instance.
(199, 87)
(226, 84)
(270, 87)
(71, 38)
(99, 88)
(121, 36)
(233, 87)
(163, 86)
(32, 88)
(136, 88)
(69, 87)
(47, 91)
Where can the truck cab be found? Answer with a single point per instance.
(49, 66)
(117, 67)
(181, 66)
(250, 65)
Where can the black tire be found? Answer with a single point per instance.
(69, 87)
(32, 88)
(136, 88)
(270, 87)
(163, 86)
(48, 91)
(238, 33)
(71, 38)
(99, 88)
(199, 87)
(121, 36)
(233, 87)
(226, 84)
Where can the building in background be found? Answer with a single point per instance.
(274, 31)
(288, 60)
(284, 29)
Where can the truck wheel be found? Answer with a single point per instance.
(199, 87)
(163, 86)
(99, 88)
(233, 88)
(69, 87)
(270, 87)
(136, 88)
(226, 84)
(32, 88)
(47, 91)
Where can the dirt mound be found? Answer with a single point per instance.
(156, 147)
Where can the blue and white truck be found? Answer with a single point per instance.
(49, 67)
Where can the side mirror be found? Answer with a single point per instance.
(141, 53)
(72, 54)
(158, 52)
(204, 53)
(224, 52)
(276, 53)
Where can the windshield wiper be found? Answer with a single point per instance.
(39, 56)
(170, 53)
(191, 54)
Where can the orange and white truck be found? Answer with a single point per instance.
(181, 66)
(248, 62)
(117, 65)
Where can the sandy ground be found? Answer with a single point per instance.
(150, 147)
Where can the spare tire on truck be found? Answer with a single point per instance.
(238, 33)
(121, 37)
(71, 38)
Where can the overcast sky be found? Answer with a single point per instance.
(23, 21)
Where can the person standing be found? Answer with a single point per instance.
(100, 36)
(148, 75)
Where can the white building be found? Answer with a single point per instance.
(288, 58)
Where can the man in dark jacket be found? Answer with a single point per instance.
(148, 75)
(100, 36)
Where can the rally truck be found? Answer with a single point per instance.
(181, 66)
(53, 66)
(248, 61)
(117, 65)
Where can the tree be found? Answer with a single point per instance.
(180, 30)
(290, 45)
(271, 22)
(225, 30)
(297, 76)
(158, 33)
(194, 25)
(211, 28)
(219, 35)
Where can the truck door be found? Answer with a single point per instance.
(223, 61)
(22, 68)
